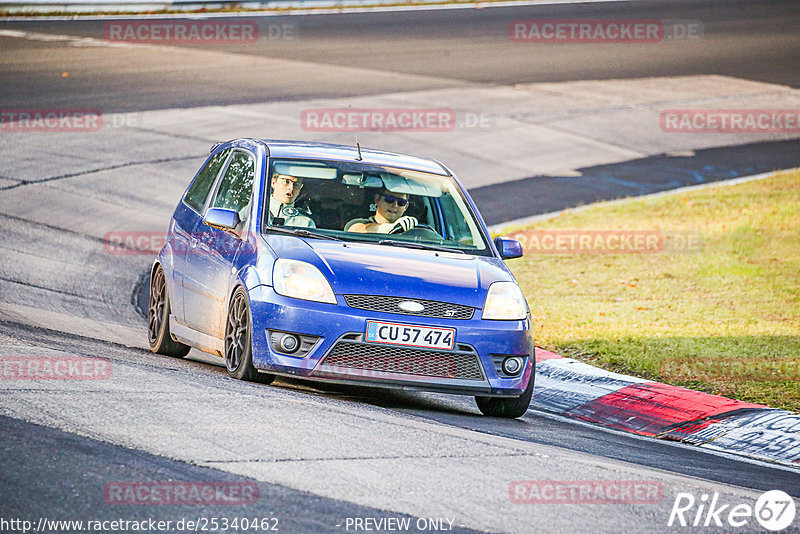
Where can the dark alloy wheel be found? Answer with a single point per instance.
(511, 408)
(239, 341)
(158, 334)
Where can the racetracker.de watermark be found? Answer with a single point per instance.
(126, 242)
(608, 241)
(730, 121)
(378, 119)
(585, 491)
(180, 493)
(197, 31)
(50, 120)
(54, 368)
(134, 242)
(629, 31)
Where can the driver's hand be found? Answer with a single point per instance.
(402, 224)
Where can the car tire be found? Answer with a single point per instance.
(239, 341)
(510, 408)
(158, 334)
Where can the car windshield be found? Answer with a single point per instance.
(371, 203)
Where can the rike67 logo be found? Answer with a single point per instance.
(774, 511)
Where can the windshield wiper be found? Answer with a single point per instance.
(300, 232)
(419, 246)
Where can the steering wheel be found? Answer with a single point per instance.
(399, 229)
(423, 232)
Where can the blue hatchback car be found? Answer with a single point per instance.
(329, 262)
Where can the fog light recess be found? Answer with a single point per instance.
(289, 343)
(512, 365)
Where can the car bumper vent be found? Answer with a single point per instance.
(347, 356)
(433, 308)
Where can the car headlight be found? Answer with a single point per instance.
(301, 280)
(505, 301)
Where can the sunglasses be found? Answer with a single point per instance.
(391, 199)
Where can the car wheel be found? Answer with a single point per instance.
(239, 341)
(507, 407)
(158, 334)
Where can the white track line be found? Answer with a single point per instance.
(498, 228)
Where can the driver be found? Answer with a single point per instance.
(285, 190)
(388, 219)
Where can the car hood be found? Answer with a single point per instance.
(371, 269)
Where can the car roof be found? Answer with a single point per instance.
(328, 151)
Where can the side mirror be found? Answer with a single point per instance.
(222, 218)
(508, 248)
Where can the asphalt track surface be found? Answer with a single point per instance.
(654, 174)
(741, 38)
(50, 477)
(749, 40)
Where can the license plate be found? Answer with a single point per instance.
(410, 335)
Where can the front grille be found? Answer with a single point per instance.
(347, 356)
(433, 308)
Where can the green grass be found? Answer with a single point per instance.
(724, 319)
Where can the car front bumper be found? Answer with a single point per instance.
(341, 355)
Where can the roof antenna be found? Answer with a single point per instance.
(355, 134)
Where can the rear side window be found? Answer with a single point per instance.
(236, 186)
(198, 192)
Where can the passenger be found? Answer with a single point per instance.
(388, 219)
(285, 190)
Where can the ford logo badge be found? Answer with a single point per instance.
(410, 306)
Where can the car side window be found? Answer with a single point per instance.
(457, 228)
(196, 196)
(236, 186)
